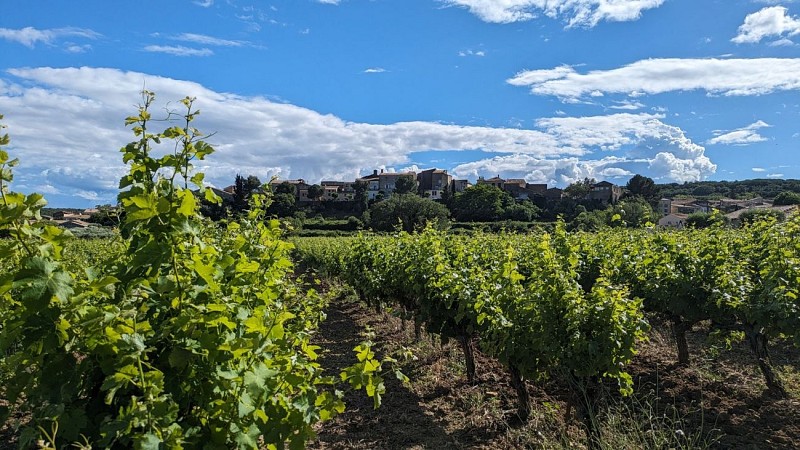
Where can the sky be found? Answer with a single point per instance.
(551, 91)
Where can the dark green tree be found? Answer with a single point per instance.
(787, 198)
(409, 212)
(285, 188)
(480, 203)
(579, 189)
(243, 188)
(405, 185)
(315, 192)
(644, 187)
(361, 196)
(704, 220)
(524, 211)
(282, 205)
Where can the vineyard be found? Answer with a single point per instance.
(576, 307)
(184, 333)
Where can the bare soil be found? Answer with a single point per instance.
(719, 402)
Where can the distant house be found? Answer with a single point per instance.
(522, 190)
(388, 180)
(673, 220)
(497, 182)
(461, 185)
(433, 182)
(338, 191)
(67, 215)
(373, 184)
(300, 188)
(605, 192)
(553, 194)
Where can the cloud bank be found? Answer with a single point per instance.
(67, 127)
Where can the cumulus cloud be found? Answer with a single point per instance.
(729, 77)
(770, 21)
(742, 136)
(583, 13)
(375, 70)
(30, 36)
(628, 143)
(66, 126)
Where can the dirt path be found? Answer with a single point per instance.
(399, 423)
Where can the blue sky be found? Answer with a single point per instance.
(547, 90)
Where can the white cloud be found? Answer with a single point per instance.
(75, 48)
(207, 40)
(66, 127)
(375, 70)
(742, 136)
(463, 53)
(30, 36)
(759, 169)
(204, 3)
(627, 105)
(782, 43)
(730, 77)
(775, 175)
(329, 2)
(632, 143)
(584, 13)
(178, 50)
(770, 21)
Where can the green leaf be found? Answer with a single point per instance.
(41, 280)
(148, 441)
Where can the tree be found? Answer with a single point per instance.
(242, 190)
(579, 189)
(405, 185)
(480, 203)
(285, 188)
(704, 220)
(644, 187)
(282, 205)
(106, 215)
(524, 211)
(315, 192)
(408, 211)
(361, 195)
(787, 198)
(589, 220)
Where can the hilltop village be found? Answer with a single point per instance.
(382, 199)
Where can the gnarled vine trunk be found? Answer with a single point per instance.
(679, 329)
(523, 400)
(469, 356)
(759, 345)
